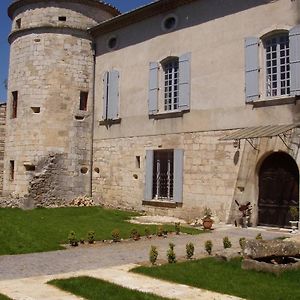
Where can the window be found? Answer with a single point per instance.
(164, 175)
(163, 168)
(62, 18)
(171, 82)
(112, 43)
(18, 23)
(83, 100)
(14, 106)
(169, 22)
(280, 70)
(111, 95)
(11, 170)
(175, 74)
(277, 65)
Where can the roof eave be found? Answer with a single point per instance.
(137, 15)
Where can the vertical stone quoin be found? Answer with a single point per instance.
(50, 74)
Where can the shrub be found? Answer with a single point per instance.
(190, 249)
(259, 237)
(242, 242)
(208, 246)
(73, 241)
(226, 242)
(147, 233)
(81, 240)
(177, 227)
(171, 254)
(160, 231)
(153, 255)
(116, 235)
(135, 234)
(91, 237)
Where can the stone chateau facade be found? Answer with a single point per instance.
(173, 107)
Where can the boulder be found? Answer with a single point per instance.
(261, 248)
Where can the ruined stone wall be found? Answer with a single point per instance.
(209, 172)
(2, 138)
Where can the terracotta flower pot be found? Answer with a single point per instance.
(207, 223)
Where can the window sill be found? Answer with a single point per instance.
(110, 122)
(159, 203)
(275, 101)
(168, 114)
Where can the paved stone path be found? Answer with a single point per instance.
(91, 259)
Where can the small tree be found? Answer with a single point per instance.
(91, 237)
(226, 242)
(208, 246)
(73, 241)
(177, 227)
(259, 237)
(153, 255)
(190, 249)
(171, 254)
(242, 242)
(116, 235)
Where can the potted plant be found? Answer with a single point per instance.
(294, 212)
(207, 220)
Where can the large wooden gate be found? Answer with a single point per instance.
(278, 189)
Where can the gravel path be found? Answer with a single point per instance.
(105, 255)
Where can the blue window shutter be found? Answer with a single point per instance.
(149, 175)
(153, 88)
(105, 95)
(184, 81)
(252, 69)
(113, 95)
(178, 175)
(295, 60)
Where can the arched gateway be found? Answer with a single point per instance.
(278, 189)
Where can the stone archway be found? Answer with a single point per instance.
(278, 189)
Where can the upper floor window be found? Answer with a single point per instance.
(171, 83)
(83, 100)
(277, 55)
(279, 74)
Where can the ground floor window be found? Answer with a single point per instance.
(164, 175)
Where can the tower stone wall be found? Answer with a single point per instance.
(51, 69)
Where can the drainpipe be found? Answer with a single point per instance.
(93, 119)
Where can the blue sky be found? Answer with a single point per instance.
(5, 23)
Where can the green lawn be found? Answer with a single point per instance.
(43, 229)
(94, 289)
(229, 278)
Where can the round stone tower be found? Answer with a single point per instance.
(50, 99)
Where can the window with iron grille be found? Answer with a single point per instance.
(163, 174)
(171, 74)
(277, 65)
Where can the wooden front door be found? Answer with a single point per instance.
(278, 189)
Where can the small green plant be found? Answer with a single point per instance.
(116, 235)
(135, 234)
(91, 237)
(73, 241)
(226, 242)
(81, 240)
(177, 228)
(208, 246)
(171, 254)
(207, 213)
(294, 212)
(153, 255)
(259, 237)
(190, 249)
(160, 231)
(147, 232)
(242, 242)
